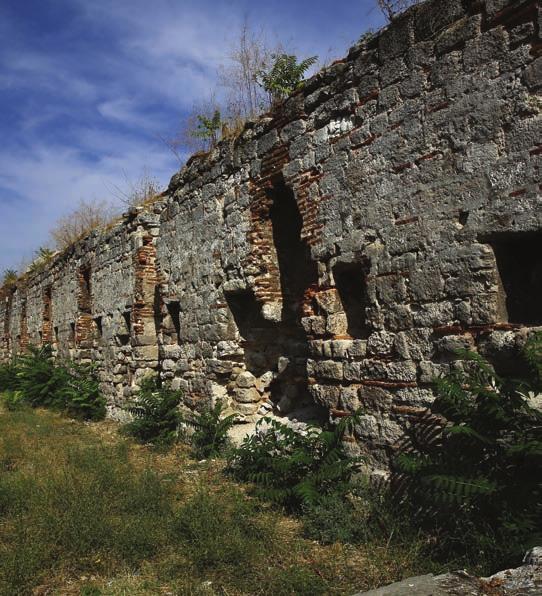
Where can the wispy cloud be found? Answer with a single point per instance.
(87, 89)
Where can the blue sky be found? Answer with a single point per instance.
(88, 87)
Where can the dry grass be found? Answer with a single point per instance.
(84, 511)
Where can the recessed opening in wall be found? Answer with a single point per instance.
(263, 341)
(157, 310)
(246, 311)
(99, 326)
(56, 334)
(296, 268)
(127, 316)
(173, 320)
(519, 267)
(351, 283)
(85, 300)
(72, 335)
(125, 331)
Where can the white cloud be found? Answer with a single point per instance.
(89, 115)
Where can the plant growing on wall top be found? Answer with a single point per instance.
(284, 76)
(42, 256)
(391, 8)
(208, 127)
(9, 277)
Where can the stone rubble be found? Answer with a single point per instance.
(522, 581)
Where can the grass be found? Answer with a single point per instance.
(85, 511)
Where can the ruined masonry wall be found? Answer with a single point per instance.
(340, 249)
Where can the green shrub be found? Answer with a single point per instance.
(478, 482)
(210, 437)
(13, 400)
(73, 388)
(8, 376)
(83, 396)
(284, 76)
(40, 381)
(294, 469)
(156, 414)
(368, 514)
(208, 127)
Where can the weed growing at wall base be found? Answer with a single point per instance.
(210, 437)
(295, 469)
(155, 411)
(477, 484)
(39, 381)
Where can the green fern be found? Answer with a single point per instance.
(284, 76)
(293, 469)
(8, 376)
(211, 430)
(483, 469)
(69, 387)
(533, 355)
(13, 400)
(155, 412)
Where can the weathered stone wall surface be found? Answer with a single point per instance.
(342, 247)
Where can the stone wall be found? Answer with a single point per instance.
(341, 248)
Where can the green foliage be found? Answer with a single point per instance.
(13, 400)
(533, 355)
(9, 277)
(367, 514)
(42, 257)
(73, 388)
(284, 76)
(294, 469)
(297, 580)
(484, 470)
(211, 430)
(8, 376)
(83, 396)
(331, 519)
(155, 412)
(81, 512)
(208, 128)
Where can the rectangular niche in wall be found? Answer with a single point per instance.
(98, 321)
(351, 283)
(172, 322)
(85, 293)
(519, 265)
(124, 328)
(246, 311)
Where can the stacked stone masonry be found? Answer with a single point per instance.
(341, 248)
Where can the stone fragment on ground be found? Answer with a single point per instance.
(522, 581)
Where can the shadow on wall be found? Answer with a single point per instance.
(281, 346)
